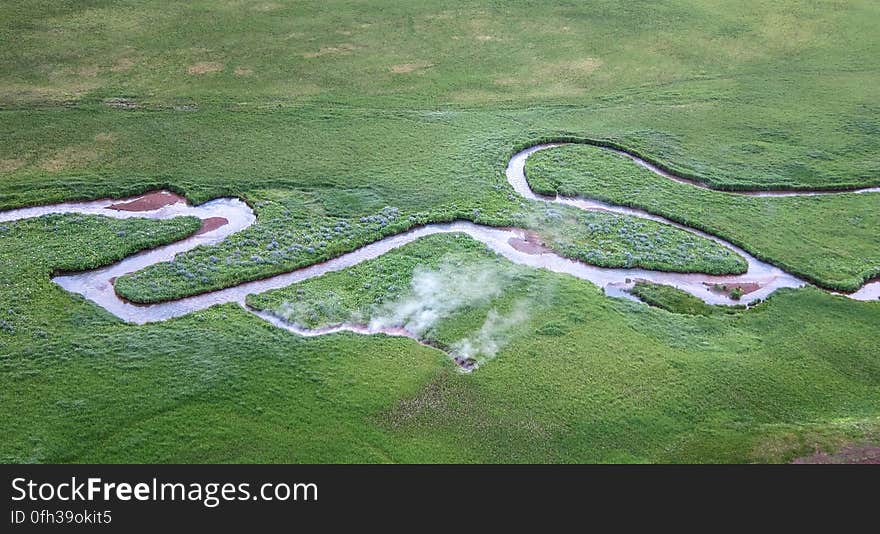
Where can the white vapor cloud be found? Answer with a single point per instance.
(436, 294)
(495, 333)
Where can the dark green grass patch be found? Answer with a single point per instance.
(676, 301)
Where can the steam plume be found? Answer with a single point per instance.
(436, 294)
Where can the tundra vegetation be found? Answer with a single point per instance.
(331, 118)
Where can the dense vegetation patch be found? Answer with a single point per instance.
(675, 300)
(294, 233)
(361, 292)
(448, 290)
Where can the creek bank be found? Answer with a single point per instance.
(226, 216)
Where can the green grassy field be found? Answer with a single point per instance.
(326, 115)
(830, 240)
(581, 378)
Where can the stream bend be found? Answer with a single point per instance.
(96, 285)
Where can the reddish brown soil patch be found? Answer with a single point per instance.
(151, 201)
(211, 224)
(745, 287)
(851, 454)
(531, 244)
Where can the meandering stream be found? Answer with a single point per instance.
(97, 285)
